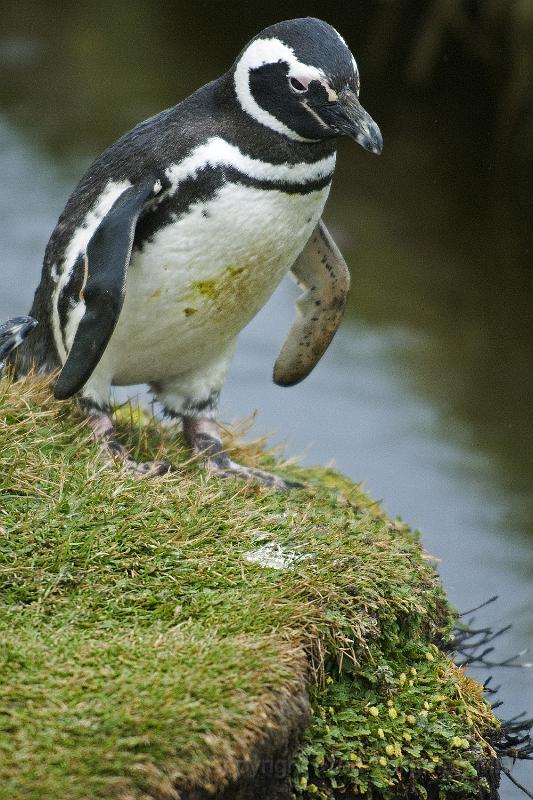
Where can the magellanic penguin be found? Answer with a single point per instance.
(179, 233)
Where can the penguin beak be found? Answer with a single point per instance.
(350, 118)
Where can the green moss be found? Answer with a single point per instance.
(143, 646)
(401, 720)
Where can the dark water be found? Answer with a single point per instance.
(426, 394)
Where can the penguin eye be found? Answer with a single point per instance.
(297, 86)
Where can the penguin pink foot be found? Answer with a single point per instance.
(103, 430)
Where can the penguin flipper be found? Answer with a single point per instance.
(106, 263)
(12, 333)
(321, 271)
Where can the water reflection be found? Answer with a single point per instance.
(426, 393)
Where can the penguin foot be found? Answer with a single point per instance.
(226, 468)
(103, 429)
(148, 469)
(202, 436)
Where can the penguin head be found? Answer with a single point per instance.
(299, 78)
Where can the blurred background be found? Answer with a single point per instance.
(426, 393)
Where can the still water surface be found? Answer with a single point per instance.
(426, 393)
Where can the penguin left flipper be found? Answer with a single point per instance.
(321, 270)
(106, 263)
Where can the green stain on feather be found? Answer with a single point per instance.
(215, 287)
(207, 288)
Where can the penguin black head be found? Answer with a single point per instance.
(299, 78)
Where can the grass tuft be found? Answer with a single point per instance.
(146, 652)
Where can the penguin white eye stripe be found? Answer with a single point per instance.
(270, 51)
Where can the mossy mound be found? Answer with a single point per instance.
(188, 637)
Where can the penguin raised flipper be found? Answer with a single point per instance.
(106, 264)
(322, 272)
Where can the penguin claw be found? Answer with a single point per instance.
(104, 432)
(226, 468)
(140, 469)
(148, 469)
(202, 441)
(202, 436)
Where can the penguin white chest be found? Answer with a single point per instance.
(203, 276)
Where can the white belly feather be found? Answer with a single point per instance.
(201, 280)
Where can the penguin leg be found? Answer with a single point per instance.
(193, 398)
(201, 434)
(101, 425)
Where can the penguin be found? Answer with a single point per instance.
(181, 230)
